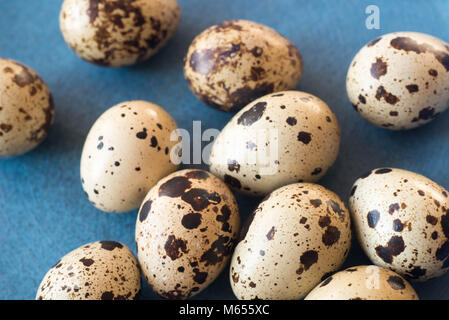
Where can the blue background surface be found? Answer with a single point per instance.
(44, 213)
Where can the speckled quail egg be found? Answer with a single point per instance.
(297, 236)
(117, 33)
(401, 80)
(26, 109)
(233, 63)
(278, 139)
(126, 152)
(102, 270)
(364, 283)
(402, 222)
(185, 232)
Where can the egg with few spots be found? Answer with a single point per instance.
(117, 33)
(233, 63)
(364, 283)
(281, 138)
(26, 109)
(126, 152)
(185, 232)
(296, 236)
(400, 80)
(102, 270)
(402, 222)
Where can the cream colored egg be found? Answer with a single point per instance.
(401, 80)
(126, 152)
(295, 237)
(102, 270)
(233, 63)
(402, 222)
(278, 139)
(185, 233)
(117, 33)
(26, 109)
(364, 283)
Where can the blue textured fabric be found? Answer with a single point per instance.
(43, 211)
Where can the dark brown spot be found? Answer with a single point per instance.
(331, 235)
(412, 88)
(393, 248)
(175, 247)
(224, 218)
(191, 220)
(362, 99)
(309, 258)
(324, 221)
(291, 121)
(174, 187)
(398, 226)
(142, 134)
(108, 295)
(199, 277)
(200, 199)
(145, 210)
(252, 115)
(304, 137)
(153, 142)
(316, 202)
(316, 171)
(432, 220)
(433, 72)
(443, 252)
(396, 283)
(389, 98)
(378, 68)
(393, 207)
(86, 262)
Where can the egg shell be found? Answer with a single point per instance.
(185, 232)
(231, 64)
(276, 140)
(117, 33)
(102, 270)
(26, 109)
(401, 80)
(364, 283)
(296, 236)
(402, 222)
(126, 152)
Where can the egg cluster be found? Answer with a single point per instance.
(188, 225)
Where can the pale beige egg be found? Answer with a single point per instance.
(117, 33)
(102, 270)
(296, 236)
(364, 283)
(233, 63)
(126, 152)
(281, 138)
(400, 80)
(402, 222)
(26, 109)
(186, 230)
